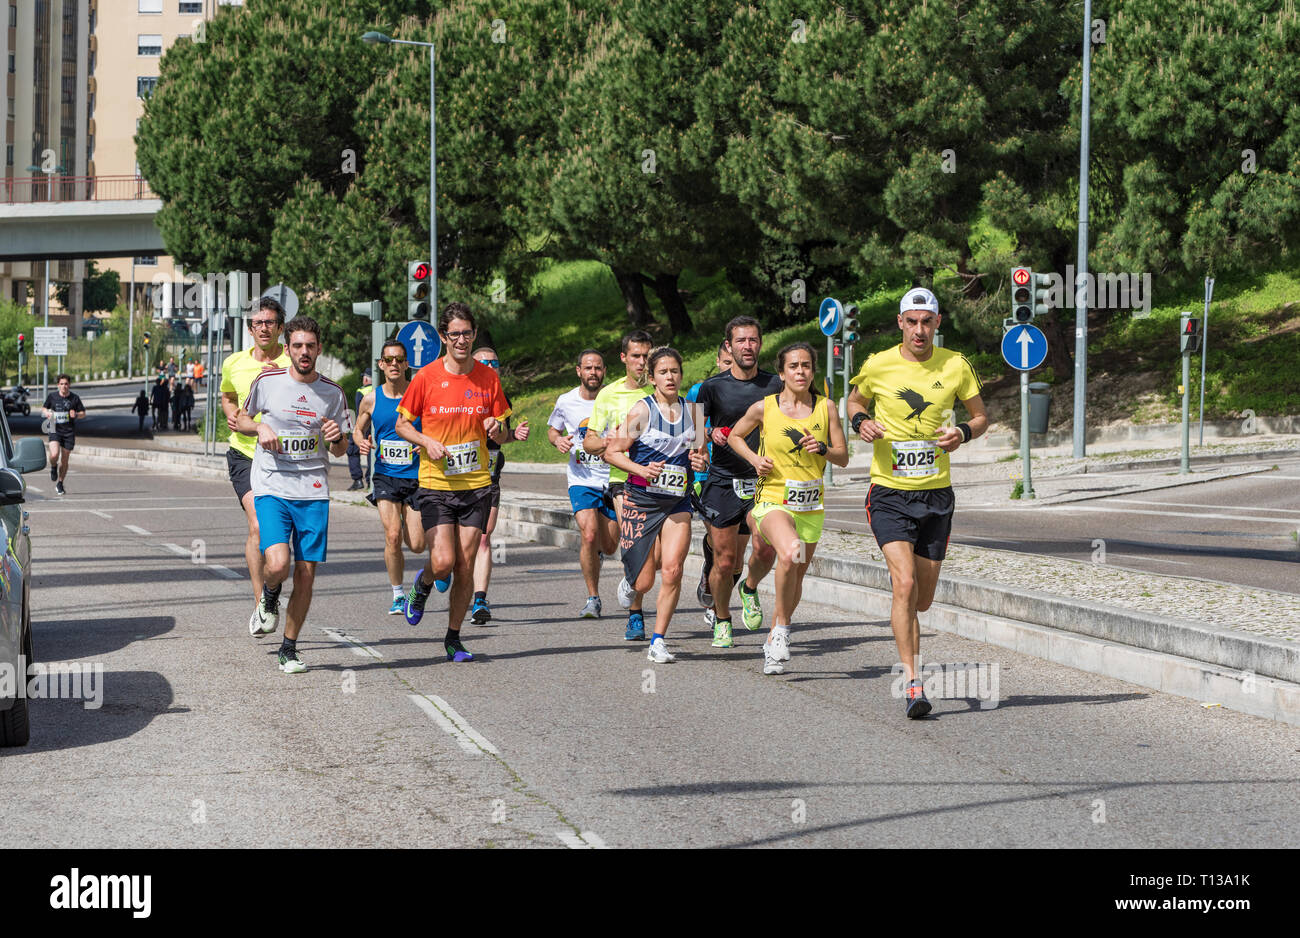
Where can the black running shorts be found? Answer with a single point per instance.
(468, 508)
(392, 489)
(616, 490)
(240, 466)
(922, 517)
(66, 440)
(721, 504)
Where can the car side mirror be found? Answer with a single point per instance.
(29, 455)
(12, 488)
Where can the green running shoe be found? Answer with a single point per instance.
(722, 634)
(753, 612)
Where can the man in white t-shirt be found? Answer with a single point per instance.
(588, 475)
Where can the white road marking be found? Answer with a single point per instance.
(1144, 501)
(177, 549)
(1163, 514)
(358, 648)
(1181, 563)
(195, 508)
(465, 727)
(137, 530)
(226, 572)
(441, 719)
(32, 488)
(101, 514)
(1288, 478)
(588, 840)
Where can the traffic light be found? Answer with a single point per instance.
(417, 289)
(1041, 285)
(849, 329)
(837, 358)
(146, 341)
(1189, 337)
(1022, 294)
(22, 343)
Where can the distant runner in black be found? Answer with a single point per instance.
(61, 411)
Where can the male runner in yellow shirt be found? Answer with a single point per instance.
(910, 499)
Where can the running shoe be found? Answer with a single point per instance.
(414, 603)
(710, 617)
(780, 642)
(751, 611)
(398, 607)
(771, 663)
(58, 487)
(917, 703)
(658, 652)
(722, 634)
(290, 663)
(702, 591)
(625, 593)
(479, 613)
(635, 627)
(264, 619)
(442, 585)
(592, 609)
(456, 651)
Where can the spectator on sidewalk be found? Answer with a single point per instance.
(141, 407)
(161, 399)
(175, 389)
(187, 405)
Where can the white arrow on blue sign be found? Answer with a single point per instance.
(829, 316)
(422, 343)
(1024, 347)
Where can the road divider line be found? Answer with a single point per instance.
(32, 488)
(586, 841)
(1202, 515)
(176, 549)
(1145, 501)
(137, 530)
(357, 646)
(226, 572)
(100, 513)
(427, 705)
(464, 726)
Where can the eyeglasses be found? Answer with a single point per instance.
(491, 362)
(466, 334)
(263, 323)
(394, 360)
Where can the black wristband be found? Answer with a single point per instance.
(856, 422)
(965, 432)
(823, 449)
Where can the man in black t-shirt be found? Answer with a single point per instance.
(61, 410)
(727, 494)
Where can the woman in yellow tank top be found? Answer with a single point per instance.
(800, 433)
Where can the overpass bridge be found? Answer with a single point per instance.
(72, 217)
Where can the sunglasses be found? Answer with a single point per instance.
(491, 362)
(394, 360)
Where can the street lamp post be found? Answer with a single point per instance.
(377, 38)
(1080, 434)
(45, 301)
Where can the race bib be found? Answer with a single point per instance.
(744, 488)
(299, 444)
(671, 481)
(462, 458)
(395, 452)
(912, 458)
(803, 494)
(61, 416)
(585, 458)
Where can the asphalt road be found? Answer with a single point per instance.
(561, 732)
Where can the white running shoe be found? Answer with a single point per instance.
(625, 593)
(263, 621)
(771, 664)
(659, 652)
(710, 617)
(592, 609)
(780, 642)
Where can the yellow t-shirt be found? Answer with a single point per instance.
(237, 374)
(795, 482)
(609, 410)
(912, 400)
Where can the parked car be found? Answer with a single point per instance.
(16, 651)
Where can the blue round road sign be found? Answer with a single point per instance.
(830, 315)
(422, 343)
(1024, 347)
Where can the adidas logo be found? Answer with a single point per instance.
(302, 399)
(937, 384)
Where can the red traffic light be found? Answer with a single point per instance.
(1020, 276)
(1191, 327)
(420, 271)
(21, 337)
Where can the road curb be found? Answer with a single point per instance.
(1252, 674)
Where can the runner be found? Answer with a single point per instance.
(396, 474)
(237, 373)
(728, 493)
(910, 500)
(722, 364)
(303, 412)
(588, 475)
(480, 612)
(607, 414)
(61, 411)
(460, 404)
(798, 434)
(360, 479)
(653, 447)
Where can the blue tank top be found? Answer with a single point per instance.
(664, 440)
(396, 458)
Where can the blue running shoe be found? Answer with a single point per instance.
(414, 602)
(442, 585)
(398, 607)
(456, 651)
(635, 627)
(480, 613)
(917, 703)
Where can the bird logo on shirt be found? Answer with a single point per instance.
(914, 401)
(795, 436)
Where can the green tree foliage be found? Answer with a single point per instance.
(100, 289)
(15, 319)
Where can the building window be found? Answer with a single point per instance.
(191, 6)
(9, 150)
(151, 6)
(150, 260)
(13, 15)
(145, 85)
(12, 69)
(149, 44)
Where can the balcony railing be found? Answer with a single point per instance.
(73, 188)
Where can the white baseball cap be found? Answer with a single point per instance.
(918, 298)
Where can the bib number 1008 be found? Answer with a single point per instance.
(298, 447)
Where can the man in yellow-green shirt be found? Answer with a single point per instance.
(910, 501)
(266, 323)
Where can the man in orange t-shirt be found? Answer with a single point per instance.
(459, 403)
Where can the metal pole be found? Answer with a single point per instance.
(1028, 488)
(433, 198)
(830, 387)
(1183, 465)
(1081, 265)
(1205, 343)
(130, 325)
(45, 375)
